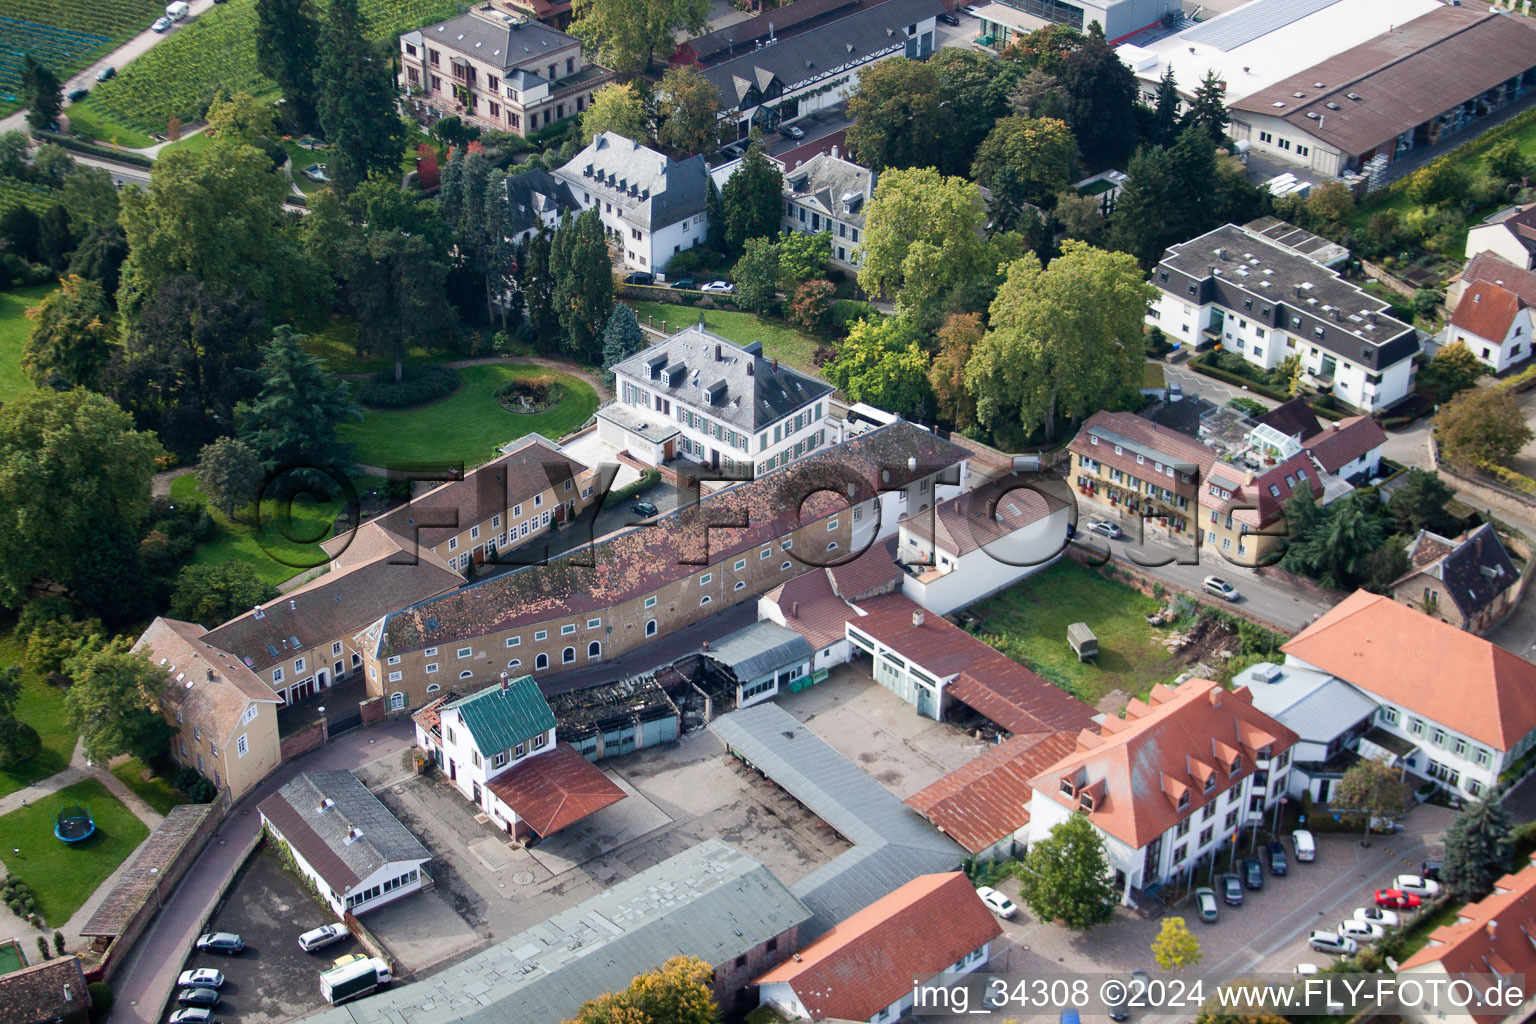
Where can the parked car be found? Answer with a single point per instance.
(1361, 931)
(1303, 970)
(1221, 588)
(1332, 942)
(640, 277)
(203, 977)
(76, 95)
(1306, 848)
(724, 287)
(1106, 529)
(347, 958)
(794, 131)
(1253, 873)
(1232, 890)
(1117, 1001)
(972, 9)
(192, 1015)
(1205, 900)
(1376, 915)
(1396, 899)
(198, 997)
(318, 938)
(644, 508)
(161, 25)
(1416, 885)
(949, 19)
(1275, 854)
(1431, 870)
(683, 283)
(221, 942)
(996, 902)
(106, 73)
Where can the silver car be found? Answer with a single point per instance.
(318, 938)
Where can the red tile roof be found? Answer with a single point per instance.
(50, 991)
(1259, 501)
(1486, 310)
(874, 571)
(1177, 453)
(812, 609)
(985, 678)
(553, 790)
(1429, 667)
(983, 801)
(1491, 936)
(978, 517)
(1164, 747)
(865, 963)
(1345, 441)
(1487, 266)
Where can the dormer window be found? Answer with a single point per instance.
(1210, 783)
(1068, 786)
(1086, 801)
(1237, 766)
(1265, 753)
(1184, 801)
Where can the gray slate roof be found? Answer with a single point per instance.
(1474, 572)
(856, 39)
(504, 43)
(1315, 705)
(321, 835)
(892, 842)
(751, 400)
(533, 193)
(759, 649)
(840, 187)
(711, 901)
(652, 189)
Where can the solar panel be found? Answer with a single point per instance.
(1244, 25)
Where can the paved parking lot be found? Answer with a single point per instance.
(273, 980)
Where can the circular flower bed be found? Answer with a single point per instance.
(419, 386)
(531, 394)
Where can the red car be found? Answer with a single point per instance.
(1396, 899)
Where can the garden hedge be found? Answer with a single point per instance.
(91, 149)
(420, 386)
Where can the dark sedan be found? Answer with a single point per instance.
(1232, 890)
(1275, 854)
(1253, 873)
(198, 997)
(643, 508)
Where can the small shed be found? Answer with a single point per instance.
(1083, 641)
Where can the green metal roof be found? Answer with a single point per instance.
(499, 719)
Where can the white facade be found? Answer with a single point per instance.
(955, 580)
(1498, 239)
(469, 769)
(1498, 354)
(781, 996)
(652, 207)
(1185, 323)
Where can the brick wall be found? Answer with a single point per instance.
(304, 740)
(373, 709)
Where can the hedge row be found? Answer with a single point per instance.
(419, 386)
(91, 149)
(1200, 365)
(1509, 478)
(1522, 381)
(650, 478)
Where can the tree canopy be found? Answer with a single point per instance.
(294, 418)
(110, 701)
(1037, 150)
(882, 363)
(230, 473)
(1372, 789)
(617, 108)
(211, 594)
(1100, 94)
(689, 108)
(752, 199)
(677, 992)
(357, 104)
(1477, 849)
(288, 52)
(1175, 948)
(1482, 425)
(1066, 877)
(73, 335)
(583, 284)
(626, 35)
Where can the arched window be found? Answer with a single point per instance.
(542, 661)
(705, 600)
(650, 628)
(740, 585)
(594, 649)
(433, 688)
(467, 674)
(515, 663)
(568, 655)
(396, 701)
(785, 566)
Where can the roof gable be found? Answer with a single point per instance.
(1488, 266)
(341, 829)
(500, 717)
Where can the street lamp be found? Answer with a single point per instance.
(154, 874)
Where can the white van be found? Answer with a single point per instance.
(178, 10)
(1306, 849)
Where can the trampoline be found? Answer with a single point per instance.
(74, 823)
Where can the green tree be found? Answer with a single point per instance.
(1418, 503)
(1371, 789)
(1452, 370)
(757, 275)
(1080, 216)
(288, 52)
(19, 742)
(803, 256)
(896, 114)
(230, 473)
(1039, 151)
(1440, 183)
(1101, 95)
(242, 119)
(752, 199)
(1482, 425)
(1331, 202)
(396, 287)
(539, 290)
(90, 197)
(13, 154)
(357, 105)
(882, 363)
(73, 335)
(454, 132)
(1144, 207)
(1208, 110)
(810, 307)
(626, 34)
(1045, 49)
(1165, 123)
(689, 109)
(1065, 340)
(1065, 876)
(677, 992)
(100, 254)
(1384, 566)
(111, 701)
(294, 417)
(1037, 94)
(51, 164)
(583, 284)
(1506, 161)
(1477, 849)
(40, 92)
(68, 461)
(974, 88)
(617, 108)
(211, 594)
(1175, 948)
(958, 338)
(622, 338)
(714, 211)
(1339, 543)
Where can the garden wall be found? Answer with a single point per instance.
(303, 741)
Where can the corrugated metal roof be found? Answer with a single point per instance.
(500, 719)
(1253, 21)
(892, 843)
(759, 649)
(711, 901)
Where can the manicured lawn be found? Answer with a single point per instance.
(89, 118)
(284, 544)
(336, 346)
(191, 143)
(780, 341)
(152, 789)
(302, 158)
(14, 327)
(64, 876)
(468, 425)
(42, 707)
(1028, 622)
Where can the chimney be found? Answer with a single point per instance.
(293, 605)
(1216, 695)
(704, 646)
(503, 680)
(794, 610)
(1493, 928)
(795, 957)
(751, 363)
(834, 153)
(718, 356)
(211, 676)
(775, 364)
(917, 618)
(258, 613)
